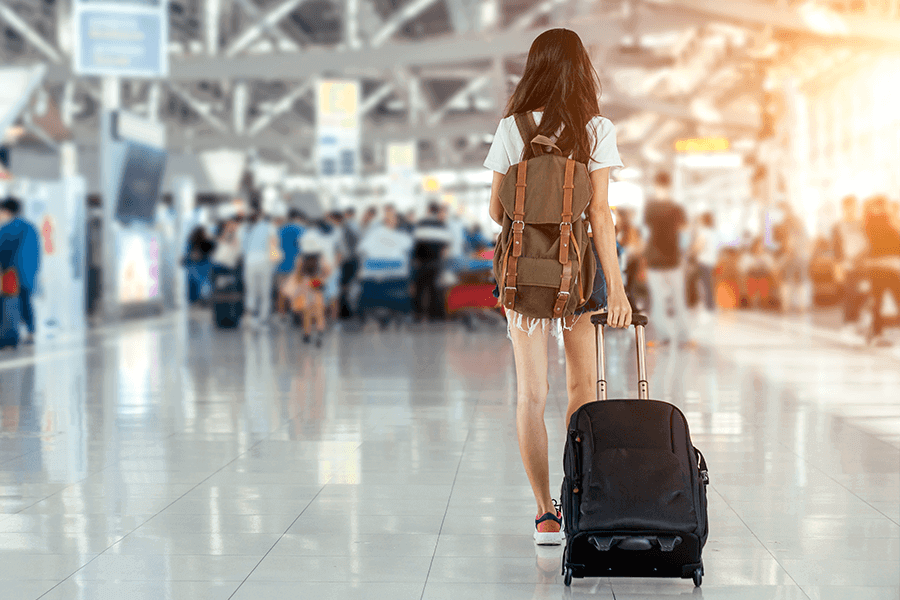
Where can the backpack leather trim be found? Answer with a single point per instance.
(565, 237)
(518, 228)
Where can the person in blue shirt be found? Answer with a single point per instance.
(289, 234)
(21, 239)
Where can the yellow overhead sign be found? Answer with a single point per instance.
(702, 145)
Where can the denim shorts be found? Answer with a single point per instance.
(597, 301)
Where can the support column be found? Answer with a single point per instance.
(109, 175)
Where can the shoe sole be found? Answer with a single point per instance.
(552, 538)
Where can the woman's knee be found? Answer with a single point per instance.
(532, 397)
(580, 389)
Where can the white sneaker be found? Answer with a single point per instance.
(544, 526)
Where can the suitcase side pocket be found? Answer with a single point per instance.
(572, 484)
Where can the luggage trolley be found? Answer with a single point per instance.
(634, 493)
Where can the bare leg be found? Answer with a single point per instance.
(531, 398)
(581, 364)
(319, 310)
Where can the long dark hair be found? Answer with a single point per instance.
(559, 76)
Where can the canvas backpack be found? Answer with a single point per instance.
(543, 263)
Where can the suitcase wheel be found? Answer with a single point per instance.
(698, 576)
(568, 576)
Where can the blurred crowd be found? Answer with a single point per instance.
(308, 272)
(672, 263)
(388, 266)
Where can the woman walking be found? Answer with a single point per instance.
(561, 89)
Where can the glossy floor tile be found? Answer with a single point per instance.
(168, 459)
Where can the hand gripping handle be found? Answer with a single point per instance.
(640, 322)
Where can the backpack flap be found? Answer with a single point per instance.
(545, 179)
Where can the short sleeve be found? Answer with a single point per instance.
(498, 158)
(606, 153)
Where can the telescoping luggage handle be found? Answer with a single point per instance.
(639, 322)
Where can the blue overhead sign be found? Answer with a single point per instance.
(124, 38)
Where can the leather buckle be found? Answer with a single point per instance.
(518, 226)
(565, 224)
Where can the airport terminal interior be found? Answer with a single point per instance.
(257, 338)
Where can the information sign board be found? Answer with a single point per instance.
(121, 38)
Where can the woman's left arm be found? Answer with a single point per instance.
(604, 233)
(496, 209)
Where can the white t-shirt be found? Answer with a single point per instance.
(385, 244)
(257, 242)
(708, 254)
(507, 147)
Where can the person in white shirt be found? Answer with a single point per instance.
(706, 252)
(260, 253)
(559, 87)
(390, 246)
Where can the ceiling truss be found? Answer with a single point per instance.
(241, 74)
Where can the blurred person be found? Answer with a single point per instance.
(385, 240)
(456, 250)
(21, 240)
(666, 221)
(228, 250)
(261, 255)
(432, 239)
(705, 252)
(337, 241)
(385, 252)
(882, 229)
(758, 270)
(407, 221)
(793, 261)
(560, 89)
(198, 265)
(289, 233)
(368, 219)
(304, 290)
(850, 247)
(476, 242)
(350, 265)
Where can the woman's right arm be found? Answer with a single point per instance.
(496, 209)
(604, 234)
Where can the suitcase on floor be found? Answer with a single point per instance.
(227, 299)
(228, 312)
(634, 492)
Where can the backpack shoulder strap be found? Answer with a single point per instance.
(525, 127)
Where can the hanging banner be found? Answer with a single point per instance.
(121, 38)
(337, 127)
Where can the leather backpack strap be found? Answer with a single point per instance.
(565, 239)
(518, 229)
(526, 127)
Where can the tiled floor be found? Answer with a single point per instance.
(166, 459)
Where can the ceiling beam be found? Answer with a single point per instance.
(275, 30)
(28, 32)
(280, 107)
(269, 20)
(466, 90)
(204, 110)
(442, 50)
(212, 14)
(399, 19)
(373, 99)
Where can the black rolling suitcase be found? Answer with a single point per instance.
(634, 492)
(227, 298)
